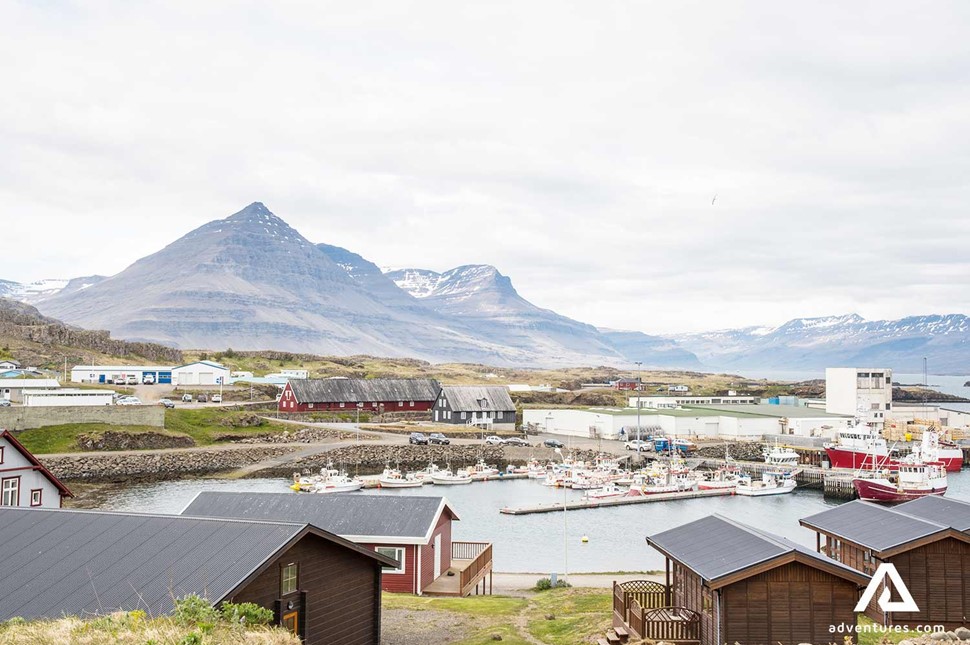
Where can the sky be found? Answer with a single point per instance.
(660, 166)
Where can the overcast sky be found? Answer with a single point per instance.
(577, 146)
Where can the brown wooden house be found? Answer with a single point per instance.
(415, 530)
(928, 542)
(727, 582)
(376, 396)
(66, 562)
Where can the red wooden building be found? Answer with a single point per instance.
(347, 395)
(413, 530)
(626, 384)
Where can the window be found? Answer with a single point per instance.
(311, 406)
(288, 579)
(411, 404)
(400, 404)
(36, 496)
(462, 415)
(393, 552)
(1, 454)
(343, 404)
(10, 492)
(498, 415)
(889, 406)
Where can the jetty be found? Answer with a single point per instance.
(576, 505)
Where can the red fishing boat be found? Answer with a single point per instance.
(913, 477)
(863, 447)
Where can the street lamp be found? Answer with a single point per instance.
(565, 533)
(638, 364)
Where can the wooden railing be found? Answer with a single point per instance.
(633, 598)
(480, 554)
(671, 624)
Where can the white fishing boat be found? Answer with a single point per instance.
(329, 480)
(917, 475)
(671, 483)
(780, 456)
(392, 478)
(482, 471)
(723, 478)
(445, 477)
(609, 491)
(771, 483)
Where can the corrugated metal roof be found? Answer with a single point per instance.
(875, 527)
(350, 515)
(769, 410)
(948, 512)
(715, 547)
(84, 562)
(467, 398)
(16, 383)
(354, 390)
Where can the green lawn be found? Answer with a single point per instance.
(579, 615)
(63, 438)
(207, 425)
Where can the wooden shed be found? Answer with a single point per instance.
(928, 542)
(727, 582)
(325, 589)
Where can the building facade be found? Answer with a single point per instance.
(488, 407)
(347, 395)
(121, 374)
(866, 393)
(12, 389)
(24, 481)
(67, 396)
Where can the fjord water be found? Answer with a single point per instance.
(534, 543)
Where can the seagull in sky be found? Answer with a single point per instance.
(714, 200)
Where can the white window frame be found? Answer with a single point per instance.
(39, 493)
(295, 579)
(397, 555)
(12, 490)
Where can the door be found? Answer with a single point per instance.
(437, 556)
(101, 378)
(291, 622)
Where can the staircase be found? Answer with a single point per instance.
(614, 636)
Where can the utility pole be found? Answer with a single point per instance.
(638, 363)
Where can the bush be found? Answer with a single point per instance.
(195, 610)
(545, 584)
(246, 613)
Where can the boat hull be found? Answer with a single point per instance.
(882, 490)
(716, 485)
(384, 483)
(450, 481)
(761, 492)
(336, 488)
(952, 459)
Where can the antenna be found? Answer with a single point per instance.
(925, 380)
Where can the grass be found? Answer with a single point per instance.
(879, 638)
(580, 615)
(63, 438)
(160, 631)
(207, 425)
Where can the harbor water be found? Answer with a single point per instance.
(534, 543)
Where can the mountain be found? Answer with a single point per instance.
(482, 297)
(250, 281)
(35, 292)
(832, 341)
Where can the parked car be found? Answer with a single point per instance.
(202, 398)
(438, 438)
(4, 403)
(639, 445)
(129, 400)
(418, 438)
(148, 379)
(186, 398)
(493, 440)
(216, 398)
(131, 380)
(515, 441)
(167, 403)
(553, 443)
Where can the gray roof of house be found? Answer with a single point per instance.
(465, 398)
(67, 562)
(351, 515)
(875, 527)
(948, 512)
(342, 390)
(715, 547)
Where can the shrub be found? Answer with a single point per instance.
(246, 613)
(545, 584)
(195, 610)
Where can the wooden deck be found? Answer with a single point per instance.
(471, 571)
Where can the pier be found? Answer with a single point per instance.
(576, 505)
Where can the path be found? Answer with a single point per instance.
(508, 583)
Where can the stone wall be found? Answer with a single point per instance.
(21, 418)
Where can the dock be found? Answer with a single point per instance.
(576, 505)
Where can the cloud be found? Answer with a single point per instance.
(577, 146)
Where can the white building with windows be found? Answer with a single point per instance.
(866, 393)
(24, 481)
(66, 396)
(12, 389)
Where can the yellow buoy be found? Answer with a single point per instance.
(584, 539)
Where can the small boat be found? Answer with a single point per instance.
(669, 484)
(610, 491)
(771, 483)
(723, 478)
(328, 481)
(780, 456)
(446, 477)
(392, 478)
(914, 478)
(482, 471)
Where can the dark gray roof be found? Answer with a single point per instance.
(875, 527)
(354, 516)
(715, 547)
(948, 512)
(66, 562)
(344, 390)
(467, 398)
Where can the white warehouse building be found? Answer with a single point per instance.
(200, 373)
(197, 373)
(67, 396)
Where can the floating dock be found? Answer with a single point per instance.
(576, 505)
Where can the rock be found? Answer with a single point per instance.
(550, 617)
(962, 633)
(496, 637)
(942, 636)
(110, 440)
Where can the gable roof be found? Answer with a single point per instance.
(465, 398)
(84, 562)
(946, 511)
(873, 526)
(218, 366)
(343, 390)
(16, 383)
(389, 519)
(10, 362)
(719, 549)
(29, 456)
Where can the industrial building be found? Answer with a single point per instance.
(12, 389)
(200, 373)
(725, 421)
(488, 407)
(67, 396)
(866, 393)
(668, 402)
(197, 373)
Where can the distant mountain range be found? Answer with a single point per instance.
(250, 281)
